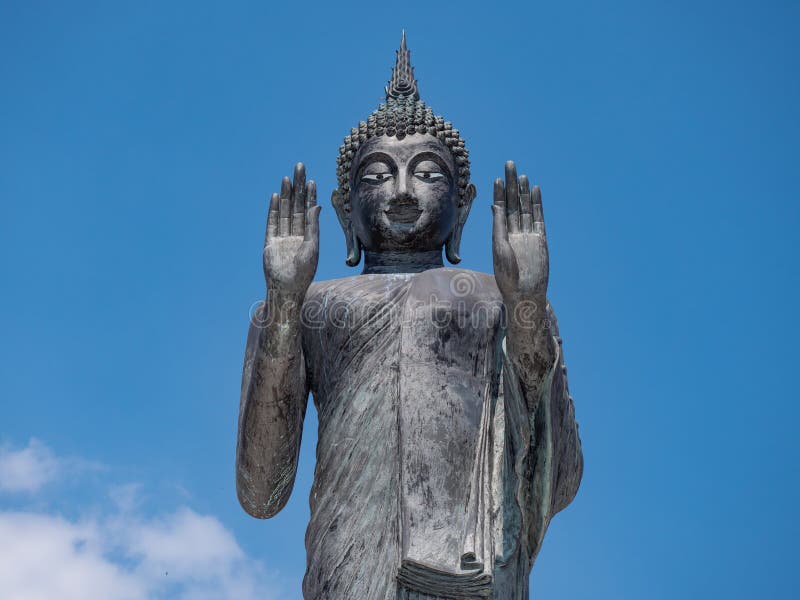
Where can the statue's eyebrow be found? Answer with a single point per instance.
(433, 156)
(375, 157)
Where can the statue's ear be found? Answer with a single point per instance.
(341, 204)
(451, 247)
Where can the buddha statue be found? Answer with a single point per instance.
(447, 437)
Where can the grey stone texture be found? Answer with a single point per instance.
(447, 435)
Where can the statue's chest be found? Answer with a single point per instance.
(433, 321)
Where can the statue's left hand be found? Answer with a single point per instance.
(519, 244)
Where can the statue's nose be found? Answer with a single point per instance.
(402, 185)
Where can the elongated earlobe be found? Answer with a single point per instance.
(453, 243)
(341, 204)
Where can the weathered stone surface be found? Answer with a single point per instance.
(447, 436)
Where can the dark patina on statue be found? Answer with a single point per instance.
(447, 435)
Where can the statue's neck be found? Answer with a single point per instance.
(401, 262)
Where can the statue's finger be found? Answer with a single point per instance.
(285, 215)
(525, 205)
(311, 194)
(299, 200)
(308, 255)
(538, 214)
(512, 197)
(500, 194)
(272, 218)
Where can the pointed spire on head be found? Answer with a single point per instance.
(403, 114)
(403, 84)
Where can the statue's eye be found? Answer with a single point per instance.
(428, 170)
(376, 176)
(428, 175)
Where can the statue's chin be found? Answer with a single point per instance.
(404, 231)
(407, 237)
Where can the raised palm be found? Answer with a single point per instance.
(291, 247)
(519, 243)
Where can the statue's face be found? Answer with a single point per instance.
(403, 193)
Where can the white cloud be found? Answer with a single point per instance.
(44, 556)
(119, 554)
(28, 469)
(178, 555)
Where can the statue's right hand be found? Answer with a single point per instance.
(291, 247)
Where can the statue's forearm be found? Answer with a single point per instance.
(530, 345)
(533, 345)
(274, 396)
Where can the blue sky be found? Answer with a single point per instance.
(139, 144)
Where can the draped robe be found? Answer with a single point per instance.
(433, 479)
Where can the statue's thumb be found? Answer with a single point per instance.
(312, 227)
(499, 231)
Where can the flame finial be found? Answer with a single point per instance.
(403, 84)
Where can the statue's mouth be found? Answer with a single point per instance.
(403, 210)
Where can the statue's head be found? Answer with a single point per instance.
(403, 176)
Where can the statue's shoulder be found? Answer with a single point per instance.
(464, 282)
(355, 286)
(484, 279)
(318, 288)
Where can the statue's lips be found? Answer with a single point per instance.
(403, 211)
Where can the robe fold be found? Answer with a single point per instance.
(433, 478)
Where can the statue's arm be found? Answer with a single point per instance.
(553, 463)
(271, 410)
(533, 347)
(274, 391)
(556, 430)
(521, 270)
